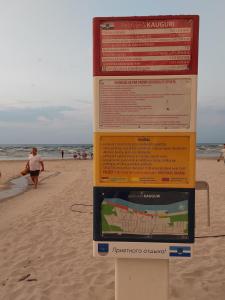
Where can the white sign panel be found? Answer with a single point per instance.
(145, 103)
(142, 250)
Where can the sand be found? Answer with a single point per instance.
(46, 247)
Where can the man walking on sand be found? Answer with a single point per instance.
(35, 164)
(222, 154)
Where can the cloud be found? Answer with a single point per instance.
(59, 124)
(28, 115)
(212, 114)
(43, 119)
(211, 123)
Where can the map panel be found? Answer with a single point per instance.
(148, 214)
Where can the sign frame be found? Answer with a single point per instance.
(98, 199)
(97, 45)
(193, 97)
(166, 184)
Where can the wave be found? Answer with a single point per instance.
(21, 151)
(13, 152)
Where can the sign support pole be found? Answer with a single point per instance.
(144, 279)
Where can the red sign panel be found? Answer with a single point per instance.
(145, 45)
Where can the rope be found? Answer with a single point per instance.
(79, 211)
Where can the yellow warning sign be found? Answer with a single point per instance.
(145, 159)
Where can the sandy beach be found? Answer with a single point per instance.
(46, 240)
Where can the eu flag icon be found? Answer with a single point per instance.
(103, 248)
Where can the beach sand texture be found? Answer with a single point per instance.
(46, 247)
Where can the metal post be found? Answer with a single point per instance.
(203, 185)
(142, 279)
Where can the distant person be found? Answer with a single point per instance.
(75, 155)
(62, 153)
(35, 164)
(222, 154)
(84, 155)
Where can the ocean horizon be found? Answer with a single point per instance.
(53, 151)
(47, 151)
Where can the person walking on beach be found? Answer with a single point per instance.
(222, 154)
(35, 164)
(62, 153)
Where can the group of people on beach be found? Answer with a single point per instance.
(79, 155)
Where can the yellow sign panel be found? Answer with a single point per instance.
(145, 159)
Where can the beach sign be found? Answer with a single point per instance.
(145, 94)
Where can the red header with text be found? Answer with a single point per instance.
(159, 45)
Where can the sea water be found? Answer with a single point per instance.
(47, 151)
(53, 151)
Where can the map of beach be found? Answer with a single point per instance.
(120, 217)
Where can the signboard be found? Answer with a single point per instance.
(138, 45)
(145, 103)
(140, 214)
(142, 250)
(145, 91)
(144, 159)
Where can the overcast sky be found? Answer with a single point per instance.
(46, 66)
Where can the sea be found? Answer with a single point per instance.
(80, 151)
(46, 151)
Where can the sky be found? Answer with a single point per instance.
(46, 93)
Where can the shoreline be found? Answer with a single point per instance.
(19, 185)
(71, 158)
(7, 175)
(5, 178)
(7, 184)
(207, 157)
(45, 159)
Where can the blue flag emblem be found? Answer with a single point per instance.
(180, 251)
(103, 248)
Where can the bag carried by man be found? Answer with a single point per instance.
(25, 171)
